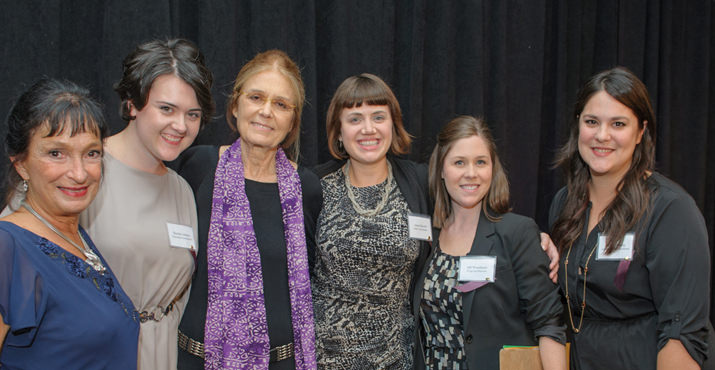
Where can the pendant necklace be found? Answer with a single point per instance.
(356, 206)
(566, 278)
(91, 258)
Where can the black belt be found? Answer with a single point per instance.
(196, 348)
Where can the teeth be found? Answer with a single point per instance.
(603, 150)
(172, 138)
(260, 125)
(469, 187)
(368, 142)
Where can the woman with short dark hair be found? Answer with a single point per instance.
(144, 217)
(61, 306)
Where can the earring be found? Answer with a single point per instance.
(24, 186)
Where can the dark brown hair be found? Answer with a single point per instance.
(367, 89)
(279, 61)
(632, 199)
(56, 105)
(157, 58)
(497, 198)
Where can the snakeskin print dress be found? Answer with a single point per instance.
(362, 278)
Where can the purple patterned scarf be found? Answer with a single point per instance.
(236, 335)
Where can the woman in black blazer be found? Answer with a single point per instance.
(486, 281)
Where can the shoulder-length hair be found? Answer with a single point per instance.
(632, 199)
(496, 201)
(279, 61)
(367, 89)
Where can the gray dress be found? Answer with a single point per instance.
(362, 278)
(128, 223)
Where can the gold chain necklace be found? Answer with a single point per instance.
(585, 274)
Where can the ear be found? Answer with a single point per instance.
(20, 168)
(132, 108)
(642, 131)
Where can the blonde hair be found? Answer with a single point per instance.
(278, 61)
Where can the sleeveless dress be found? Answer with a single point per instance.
(361, 281)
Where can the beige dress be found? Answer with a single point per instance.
(128, 223)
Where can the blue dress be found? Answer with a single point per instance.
(62, 314)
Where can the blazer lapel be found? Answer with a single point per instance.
(481, 246)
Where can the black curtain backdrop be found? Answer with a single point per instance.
(516, 63)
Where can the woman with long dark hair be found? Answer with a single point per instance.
(635, 262)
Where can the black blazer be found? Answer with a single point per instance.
(521, 305)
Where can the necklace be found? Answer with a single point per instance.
(585, 275)
(356, 206)
(92, 259)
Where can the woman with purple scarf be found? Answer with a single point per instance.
(250, 304)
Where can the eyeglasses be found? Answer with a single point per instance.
(259, 99)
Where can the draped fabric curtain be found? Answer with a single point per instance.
(518, 64)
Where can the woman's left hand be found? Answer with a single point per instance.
(550, 248)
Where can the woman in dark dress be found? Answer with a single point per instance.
(250, 303)
(634, 249)
(61, 306)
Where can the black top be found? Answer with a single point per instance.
(520, 306)
(666, 293)
(198, 166)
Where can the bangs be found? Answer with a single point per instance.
(76, 116)
(366, 91)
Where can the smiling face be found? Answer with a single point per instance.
(366, 132)
(608, 135)
(261, 116)
(63, 172)
(467, 172)
(170, 120)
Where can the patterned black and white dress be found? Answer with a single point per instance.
(361, 279)
(441, 314)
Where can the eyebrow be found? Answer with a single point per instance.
(263, 92)
(176, 106)
(611, 118)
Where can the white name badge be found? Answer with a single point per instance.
(477, 268)
(420, 226)
(181, 236)
(625, 252)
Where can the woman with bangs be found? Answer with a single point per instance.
(61, 305)
(365, 257)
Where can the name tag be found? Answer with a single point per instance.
(477, 268)
(181, 236)
(420, 226)
(625, 252)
